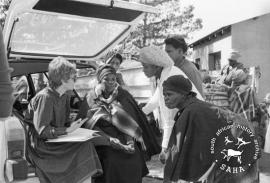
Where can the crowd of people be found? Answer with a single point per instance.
(187, 119)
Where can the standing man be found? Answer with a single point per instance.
(157, 64)
(176, 48)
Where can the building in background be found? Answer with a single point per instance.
(250, 37)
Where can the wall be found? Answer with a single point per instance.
(222, 44)
(252, 39)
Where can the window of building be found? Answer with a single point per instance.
(214, 61)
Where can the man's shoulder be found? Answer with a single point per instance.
(190, 64)
(188, 67)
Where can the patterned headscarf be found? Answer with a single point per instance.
(104, 70)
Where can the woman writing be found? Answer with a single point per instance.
(49, 113)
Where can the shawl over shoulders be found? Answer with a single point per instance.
(190, 156)
(131, 107)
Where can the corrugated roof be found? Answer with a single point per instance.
(214, 35)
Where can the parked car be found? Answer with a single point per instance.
(35, 32)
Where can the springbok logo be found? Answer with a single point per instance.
(228, 153)
(241, 142)
(235, 154)
(227, 140)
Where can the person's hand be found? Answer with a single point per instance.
(99, 88)
(163, 156)
(204, 177)
(75, 125)
(115, 143)
(130, 148)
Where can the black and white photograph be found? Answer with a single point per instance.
(134, 91)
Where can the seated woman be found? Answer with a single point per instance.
(49, 112)
(115, 61)
(115, 113)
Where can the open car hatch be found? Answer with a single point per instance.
(75, 29)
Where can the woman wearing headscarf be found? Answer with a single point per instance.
(158, 65)
(115, 61)
(196, 146)
(115, 113)
(48, 116)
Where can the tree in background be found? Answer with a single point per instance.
(171, 18)
(4, 5)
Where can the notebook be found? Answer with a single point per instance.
(80, 135)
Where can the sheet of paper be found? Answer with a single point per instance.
(79, 135)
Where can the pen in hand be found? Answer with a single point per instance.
(76, 124)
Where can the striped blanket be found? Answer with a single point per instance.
(243, 101)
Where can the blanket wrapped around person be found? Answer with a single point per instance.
(115, 113)
(127, 117)
(119, 118)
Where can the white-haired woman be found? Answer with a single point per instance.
(157, 63)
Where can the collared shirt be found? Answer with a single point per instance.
(192, 73)
(50, 113)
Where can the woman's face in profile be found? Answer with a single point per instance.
(173, 99)
(109, 82)
(115, 63)
(70, 83)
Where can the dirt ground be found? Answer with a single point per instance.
(156, 170)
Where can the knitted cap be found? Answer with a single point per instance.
(178, 83)
(104, 70)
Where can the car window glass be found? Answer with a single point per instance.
(37, 33)
(40, 81)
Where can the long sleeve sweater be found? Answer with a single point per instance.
(6, 90)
